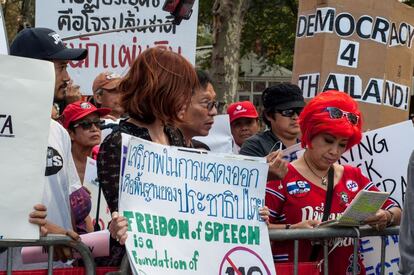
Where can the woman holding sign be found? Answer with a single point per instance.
(155, 94)
(316, 185)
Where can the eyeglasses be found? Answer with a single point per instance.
(290, 112)
(211, 104)
(336, 113)
(87, 124)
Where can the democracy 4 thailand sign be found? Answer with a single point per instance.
(194, 212)
(26, 92)
(383, 156)
(115, 51)
(364, 48)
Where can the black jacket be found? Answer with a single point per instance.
(261, 144)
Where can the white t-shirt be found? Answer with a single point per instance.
(61, 176)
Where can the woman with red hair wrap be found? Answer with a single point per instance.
(330, 125)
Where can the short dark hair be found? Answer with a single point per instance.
(204, 78)
(280, 97)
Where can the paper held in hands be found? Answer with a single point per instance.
(364, 205)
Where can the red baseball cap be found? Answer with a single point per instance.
(80, 109)
(106, 80)
(242, 109)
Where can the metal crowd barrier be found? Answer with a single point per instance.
(325, 234)
(50, 241)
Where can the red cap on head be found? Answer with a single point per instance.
(242, 109)
(106, 80)
(80, 109)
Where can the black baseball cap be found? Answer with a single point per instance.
(282, 97)
(45, 44)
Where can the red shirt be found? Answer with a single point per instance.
(295, 199)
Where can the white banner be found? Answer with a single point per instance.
(194, 213)
(26, 92)
(4, 45)
(115, 51)
(383, 157)
(219, 138)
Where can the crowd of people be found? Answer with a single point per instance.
(164, 99)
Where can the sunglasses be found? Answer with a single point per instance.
(336, 113)
(290, 112)
(87, 124)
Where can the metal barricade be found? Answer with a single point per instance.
(328, 233)
(50, 241)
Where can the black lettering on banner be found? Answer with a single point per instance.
(398, 96)
(360, 26)
(349, 87)
(372, 90)
(389, 94)
(403, 39)
(394, 38)
(381, 28)
(348, 54)
(6, 125)
(410, 35)
(309, 84)
(311, 25)
(302, 22)
(344, 24)
(331, 83)
(324, 20)
(254, 270)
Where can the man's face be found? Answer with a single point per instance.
(110, 99)
(285, 126)
(199, 117)
(61, 79)
(243, 128)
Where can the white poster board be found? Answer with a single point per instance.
(4, 45)
(194, 213)
(219, 138)
(26, 92)
(115, 52)
(383, 157)
(90, 181)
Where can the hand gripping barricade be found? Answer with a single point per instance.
(323, 235)
(49, 242)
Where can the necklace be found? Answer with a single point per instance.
(324, 180)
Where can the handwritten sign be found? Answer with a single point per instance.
(23, 119)
(115, 51)
(338, 45)
(194, 213)
(383, 157)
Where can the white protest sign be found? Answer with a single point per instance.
(115, 51)
(91, 182)
(383, 157)
(4, 45)
(26, 90)
(219, 138)
(194, 213)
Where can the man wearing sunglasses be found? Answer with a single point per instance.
(282, 105)
(61, 175)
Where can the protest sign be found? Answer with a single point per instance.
(115, 52)
(383, 156)
(4, 45)
(91, 182)
(194, 213)
(361, 47)
(219, 138)
(26, 89)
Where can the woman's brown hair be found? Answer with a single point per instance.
(158, 85)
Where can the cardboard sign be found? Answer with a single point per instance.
(26, 92)
(115, 52)
(364, 48)
(194, 213)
